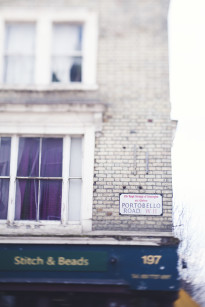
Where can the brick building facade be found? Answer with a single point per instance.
(106, 99)
(133, 80)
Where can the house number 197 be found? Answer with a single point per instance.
(151, 259)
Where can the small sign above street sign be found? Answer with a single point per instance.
(140, 204)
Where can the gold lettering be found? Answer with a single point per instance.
(74, 262)
(153, 276)
(68, 261)
(135, 276)
(34, 261)
(28, 261)
(86, 261)
(50, 261)
(144, 276)
(165, 276)
(61, 260)
(81, 261)
(17, 260)
(151, 259)
(40, 261)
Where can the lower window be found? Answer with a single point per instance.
(43, 176)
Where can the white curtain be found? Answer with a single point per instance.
(19, 53)
(67, 39)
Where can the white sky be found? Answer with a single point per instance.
(187, 60)
(187, 87)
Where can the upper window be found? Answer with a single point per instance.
(49, 48)
(67, 53)
(19, 53)
(38, 175)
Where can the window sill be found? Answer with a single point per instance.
(50, 87)
(44, 228)
(96, 238)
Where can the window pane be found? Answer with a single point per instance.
(74, 201)
(26, 199)
(66, 38)
(76, 157)
(20, 38)
(19, 69)
(5, 148)
(66, 69)
(50, 199)
(4, 195)
(75, 185)
(28, 157)
(76, 70)
(19, 53)
(51, 159)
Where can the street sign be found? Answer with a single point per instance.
(140, 204)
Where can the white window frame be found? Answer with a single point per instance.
(65, 179)
(55, 121)
(44, 18)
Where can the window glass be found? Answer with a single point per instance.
(50, 199)
(66, 38)
(51, 157)
(67, 53)
(19, 53)
(76, 157)
(4, 195)
(5, 148)
(75, 182)
(39, 198)
(28, 157)
(74, 201)
(66, 69)
(39, 178)
(26, 199)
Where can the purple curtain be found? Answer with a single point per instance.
(5, 148)
(27, 195)
(51, 190)
(51, 157)
(28, 157)
(50, 200)
(4, 195)
(26, 199)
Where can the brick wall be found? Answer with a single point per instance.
(132, 77)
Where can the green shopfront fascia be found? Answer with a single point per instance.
(56, 275)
